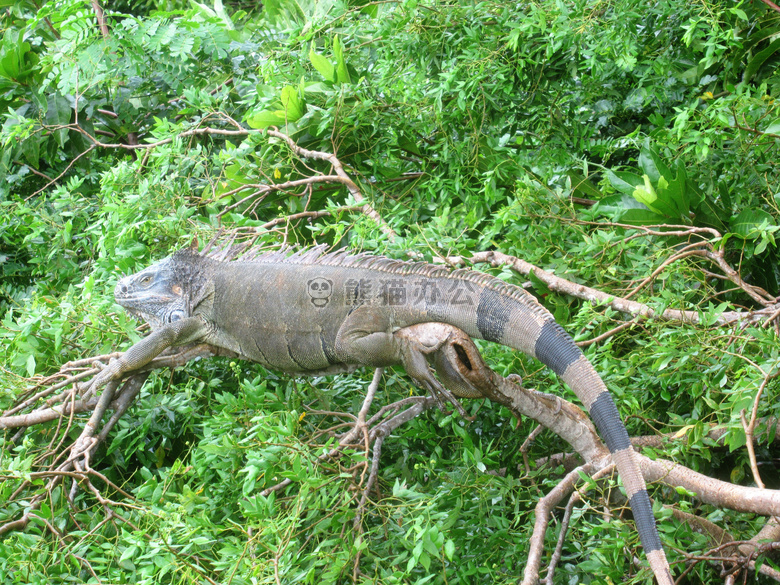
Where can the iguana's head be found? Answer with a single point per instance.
(158, 294)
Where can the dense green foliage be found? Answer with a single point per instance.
(469, 126)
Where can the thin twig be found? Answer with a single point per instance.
(339, 169)
(608, 334)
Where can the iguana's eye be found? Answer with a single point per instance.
(145, 280)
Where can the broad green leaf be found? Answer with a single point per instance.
(773, 128)
(656, 203)
(223, 15)
(624, 181)
(641, 217)
(58, 113)
(748, 220)
(449, 549)
(618, 204)
(266, 118)
(674, 193)
(652, 164)
(16, 61)
(292, 103)
(645, 194)
(409, 145)
(203, 8)
(9, 66)
(322, 64)
(709, 213)
(582, 185)
(759, 59)
(31, 150)
(371, 9)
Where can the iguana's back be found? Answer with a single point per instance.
(287, 314)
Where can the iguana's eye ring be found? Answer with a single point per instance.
(144, 280)
(176, 315)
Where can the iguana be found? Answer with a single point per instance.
(315, 313)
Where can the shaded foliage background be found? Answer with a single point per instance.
(470, 126)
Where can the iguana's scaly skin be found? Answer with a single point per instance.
(316, 313)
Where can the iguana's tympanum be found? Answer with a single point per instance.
(313, 312)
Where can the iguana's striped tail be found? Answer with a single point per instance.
(556, 349)
(510, 316)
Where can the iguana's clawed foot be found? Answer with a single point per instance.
(415, 361)
(106, 374)
(437, 390)
(515, 379)
(553, 397)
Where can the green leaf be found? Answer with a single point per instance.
(748, 220)
(203, 8)
(641, 217)
(773, 128)
(409, 145)
(322, 64)
(13, 48)
(674, 193)
(708, 213)
(760, 58)
(449, 549)
(293, 105)
(31, 365)
(646, 195)
(342, 74)
(652, 164)
(624, 181)
(31, 147)
(266, 118)
(539, 285)
(223, 15)
(583, 186)
(659, 201)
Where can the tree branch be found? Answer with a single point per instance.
(592, 295)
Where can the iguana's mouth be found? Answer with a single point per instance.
(142, 318)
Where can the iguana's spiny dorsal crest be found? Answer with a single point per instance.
(316, 312)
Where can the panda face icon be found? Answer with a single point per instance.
(319, 290)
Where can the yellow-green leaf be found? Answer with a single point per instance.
(266, 118)
(293, 105)
(342, 73)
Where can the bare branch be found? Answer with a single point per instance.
(542, 512)
(592, 295)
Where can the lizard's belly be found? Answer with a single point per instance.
(291, 351)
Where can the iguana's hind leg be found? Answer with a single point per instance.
(364, 339)
(449, 350)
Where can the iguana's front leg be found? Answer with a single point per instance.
(172, 334)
